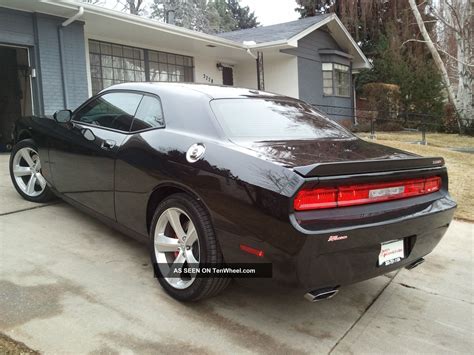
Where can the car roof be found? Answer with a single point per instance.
(196, 115)
(211, 91)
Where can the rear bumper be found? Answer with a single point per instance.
(306, 260)
(323, 263)
(319, 263)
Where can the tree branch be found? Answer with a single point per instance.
(454, 58)
(455, 13)
(438, 47)
(445, 22)
(436, 57)
(412, 40)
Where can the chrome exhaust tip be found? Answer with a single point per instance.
(415, 264)
(321, 294)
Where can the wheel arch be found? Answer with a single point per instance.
(164, 190)
(22, 135)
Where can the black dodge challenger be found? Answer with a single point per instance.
(210, 175)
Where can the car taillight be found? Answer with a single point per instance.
(351, 195)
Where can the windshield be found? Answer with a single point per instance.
(260, 119)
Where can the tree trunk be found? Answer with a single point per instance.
(464, 93)
(438, 61)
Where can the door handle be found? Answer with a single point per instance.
(108, 144)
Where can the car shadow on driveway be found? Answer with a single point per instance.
(70, 283)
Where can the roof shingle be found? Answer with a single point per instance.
(281, 31)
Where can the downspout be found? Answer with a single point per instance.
(66, 23)
(257, 63)
(254, 56)
(260, 72)
(354, 97)
(249, 52)
(73, 18)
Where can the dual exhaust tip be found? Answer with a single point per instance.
(329, 292)
(414, 264)
(321, 294)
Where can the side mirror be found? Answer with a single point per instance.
(62, 116)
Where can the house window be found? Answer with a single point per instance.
(113, 64)
(170, 67)
(327, 79)
(336, 79)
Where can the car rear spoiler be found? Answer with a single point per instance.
(367, 166)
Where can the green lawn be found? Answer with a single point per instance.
(460, 164)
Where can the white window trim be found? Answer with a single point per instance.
(333, 76)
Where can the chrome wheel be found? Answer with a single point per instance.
(176, 245)
(27, 172)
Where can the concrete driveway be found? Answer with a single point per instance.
(70, 284)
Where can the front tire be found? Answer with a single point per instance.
(25, 172)
(182, 235)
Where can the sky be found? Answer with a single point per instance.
(270, 12)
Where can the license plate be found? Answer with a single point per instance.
(391, 252)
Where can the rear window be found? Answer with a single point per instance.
(268, 119)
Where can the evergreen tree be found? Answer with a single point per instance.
(242, 15)
(190, 14)
(209, 16)
(381, 28)
(220, 16)
(420, 84)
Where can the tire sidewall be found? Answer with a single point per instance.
(196, 288)
(46, 195)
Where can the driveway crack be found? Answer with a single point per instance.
(431, 292)
(362, 314)
(28, 209)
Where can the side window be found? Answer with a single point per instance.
(113, 110)
(149, 114)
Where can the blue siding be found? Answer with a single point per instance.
(39, 32)
(16, 27)
(75, 60)
(50, 63)
(310, 75)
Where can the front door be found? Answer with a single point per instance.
(83, 151)
(227, 76)
(15, 91)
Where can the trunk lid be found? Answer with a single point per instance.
(311, 158)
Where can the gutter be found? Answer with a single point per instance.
(137, 20)
(66, 23)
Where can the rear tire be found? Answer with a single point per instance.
(199, 246)
(25, 172)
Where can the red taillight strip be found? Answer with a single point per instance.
(351, 195)
(251, 250)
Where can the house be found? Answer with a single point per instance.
(54, 54)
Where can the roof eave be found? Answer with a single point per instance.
(362, 63)
(145, 22)
(366, 64)
(272, 44)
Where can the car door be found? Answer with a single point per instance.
(83, 151)
(135, 161)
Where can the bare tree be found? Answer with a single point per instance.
(135, 7)
(454, 16)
